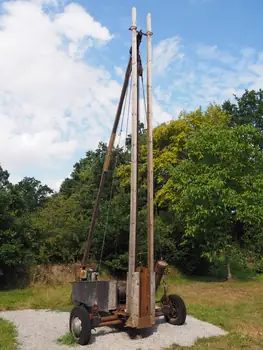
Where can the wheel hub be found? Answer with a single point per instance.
(76, 326)
(166, 310)
(174, 309)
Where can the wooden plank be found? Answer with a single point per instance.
(152, 297)
(135, 297)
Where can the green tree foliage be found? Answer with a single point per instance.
(248, 109)
(170, 142)
(218, 190)
(61, 229)
(18, 240)
(63, 223)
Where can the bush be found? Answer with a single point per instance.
(259, 265)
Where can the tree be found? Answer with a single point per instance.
(217, 192)
(248, 109)
(61, 229)
(170, 140)
(18, 240)
(29, 195)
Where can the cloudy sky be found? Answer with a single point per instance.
(62, 64)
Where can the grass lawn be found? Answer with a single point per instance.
(38, 297)
(235, 306)
(7, 335)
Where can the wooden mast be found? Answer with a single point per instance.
(133, 208)
(150, 171)
(150, 147)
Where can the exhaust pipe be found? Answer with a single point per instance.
(159, 271)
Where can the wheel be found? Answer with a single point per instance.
(177, 314)
(80, 325)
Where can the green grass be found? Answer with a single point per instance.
(38, 297)
(8, 335)
(67, 339)
(234, 306)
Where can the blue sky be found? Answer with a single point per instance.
(224, 22)
(62, 65)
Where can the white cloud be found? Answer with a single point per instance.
(159, 115)
(210, 74)
(165, 53)
(75, 23)
(51, 102)
(54, 105)
(213, 52)
(242, 70)
(119, 72)
(54, 184)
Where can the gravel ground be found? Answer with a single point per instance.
(40, 329)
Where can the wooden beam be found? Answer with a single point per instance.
(133, 202)
(150, 171)
(150, 148)
(134, 313)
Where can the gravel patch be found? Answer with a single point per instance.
(40, 329)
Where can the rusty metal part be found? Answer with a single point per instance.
(109, 318)
(121, 313)
(159, 272)
(144, 300)
(121, 317)
(110, 323)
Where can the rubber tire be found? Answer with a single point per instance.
(181, 311)
(85, 334)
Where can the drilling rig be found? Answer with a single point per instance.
(131, 303)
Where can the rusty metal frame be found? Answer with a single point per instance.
(122, 317)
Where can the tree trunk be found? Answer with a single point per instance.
(229, 274)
